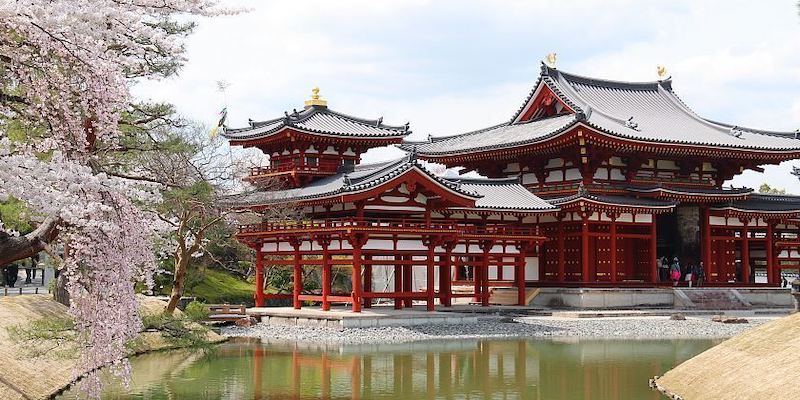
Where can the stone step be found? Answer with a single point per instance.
(715, 299)
(508, 296)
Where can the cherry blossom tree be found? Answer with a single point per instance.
(67, 67)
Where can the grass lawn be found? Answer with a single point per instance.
(220, 287)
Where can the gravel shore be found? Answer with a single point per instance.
(541, 327)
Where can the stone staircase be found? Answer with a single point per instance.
(711, 299)
(508, 296)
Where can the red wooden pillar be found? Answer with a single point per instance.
(613, 240)
(298, 276)
(476, 275)
(398, 282)
(745, 250)
(499, 267)
(368, 279)
(585, 247)
(445, 275)
(430, 262)
(259, 277)
(486, 246)
(770, 253)
(653, 251)
(325, 242)
(561, 270)
(519, 273)
(408, 279)
(356, 242)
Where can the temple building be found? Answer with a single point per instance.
(590, 183)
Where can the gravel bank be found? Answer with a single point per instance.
(542, 327)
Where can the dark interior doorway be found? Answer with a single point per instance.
(667, 236)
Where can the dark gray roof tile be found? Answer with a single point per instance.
(319, 120)
(646, 111)
(491, 194)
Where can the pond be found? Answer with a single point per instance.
(473, 368)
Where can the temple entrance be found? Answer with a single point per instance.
(668, 239)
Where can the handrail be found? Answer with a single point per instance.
(388, 223)
(320, 166)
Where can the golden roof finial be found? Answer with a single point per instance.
(662, 72)
(551, 60)
(315, 100)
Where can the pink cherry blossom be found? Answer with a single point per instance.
(67, 69)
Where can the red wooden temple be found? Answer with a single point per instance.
(588, 184)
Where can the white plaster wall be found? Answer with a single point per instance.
(573, 174)
(531, 268)
(529, 178)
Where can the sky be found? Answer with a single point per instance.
(449, 67)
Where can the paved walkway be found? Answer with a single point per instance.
(23, 289)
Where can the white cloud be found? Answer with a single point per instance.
(454, 66)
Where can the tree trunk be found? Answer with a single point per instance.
(181, 265)
(14, 248)
(60, 293)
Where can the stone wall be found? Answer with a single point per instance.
(688, 216)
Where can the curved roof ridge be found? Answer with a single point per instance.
(528, 98)
(611, 83)
(482, 130)
(378, 122)
(771, 196)
(793, 134)
(484, 180)
(257, 124)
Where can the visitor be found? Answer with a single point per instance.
(663, 270)
(12, 274)
(699, 273)
(30, 271)
(689, 274)
(675, 271)
(783, 281)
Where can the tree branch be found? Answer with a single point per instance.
(14, 248)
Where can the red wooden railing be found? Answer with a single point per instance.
(391, 224)
(320, 166)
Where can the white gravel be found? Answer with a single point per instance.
(625, 327)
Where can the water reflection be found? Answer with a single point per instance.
(511, 369)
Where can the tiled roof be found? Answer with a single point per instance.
(500, 194)
(649, 112)
(612, 200)
(765, 203)
(499, 136)
(319, 120)
(504, 194)
(699, 191)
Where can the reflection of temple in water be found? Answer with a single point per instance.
(466, 369)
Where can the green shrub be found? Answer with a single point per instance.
(196, 311)
(177, 331)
